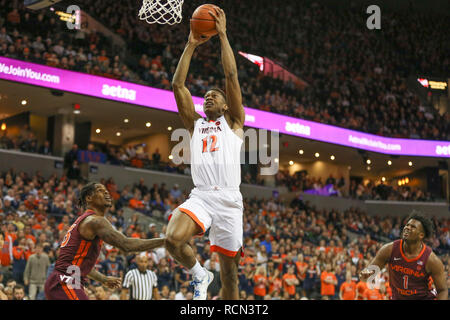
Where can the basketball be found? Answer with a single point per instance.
(202, 23)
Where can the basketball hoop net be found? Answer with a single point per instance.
(161, 11)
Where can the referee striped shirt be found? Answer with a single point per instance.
(140, 284)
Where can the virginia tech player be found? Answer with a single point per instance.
(413, 266)
(81, 246)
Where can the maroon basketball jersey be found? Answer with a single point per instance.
(407, 277)
(75, 250)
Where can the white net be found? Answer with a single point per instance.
(161, 11)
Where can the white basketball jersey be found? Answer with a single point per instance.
(215, 154)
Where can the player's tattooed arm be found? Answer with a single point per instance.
(436, 269)
(233, 89)
(110, 282)
(97, 276)
(104, 230)
(382, 257)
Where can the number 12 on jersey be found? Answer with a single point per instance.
(213, 147)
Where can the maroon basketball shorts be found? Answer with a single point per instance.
(57, 288)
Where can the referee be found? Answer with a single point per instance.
(140, 283)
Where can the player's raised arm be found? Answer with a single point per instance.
(233, 89)
(183, 97)
(104, 230)
(380, 260)
(437, 271)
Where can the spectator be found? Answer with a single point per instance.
(290, 281)
(74, 172)
(361, 288)
(267, 243)
(347, 290)
(20, 254)
(156, 157)
(36, 271)
(100, 293)
(311, 279)
(372, 294)
(246, 279)
(260, 280)
(214, 287)
(71, 156)
(175, 192)
(13, 18)
(262, 257)
(45, 149)
(3, 296)
(113, 266)
(181, 295)
(141, 186)
(19, 293)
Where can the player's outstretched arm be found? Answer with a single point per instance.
(110, 282)
(104, 230)
(233, 89)
(380, 260)
(437, 271)
(183, 97)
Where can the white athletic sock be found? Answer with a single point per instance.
(197, 271)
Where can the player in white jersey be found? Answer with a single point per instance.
(216, 201)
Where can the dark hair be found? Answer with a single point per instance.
(219, 91)
(18, 286)
(426, 222)
(86, 191)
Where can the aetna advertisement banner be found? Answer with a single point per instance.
(95, 86)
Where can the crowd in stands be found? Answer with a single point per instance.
(356, 77)
(360, 190)
(292, 250)
(382, 191)
(25, 141)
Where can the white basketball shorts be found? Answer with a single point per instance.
(220, 209)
